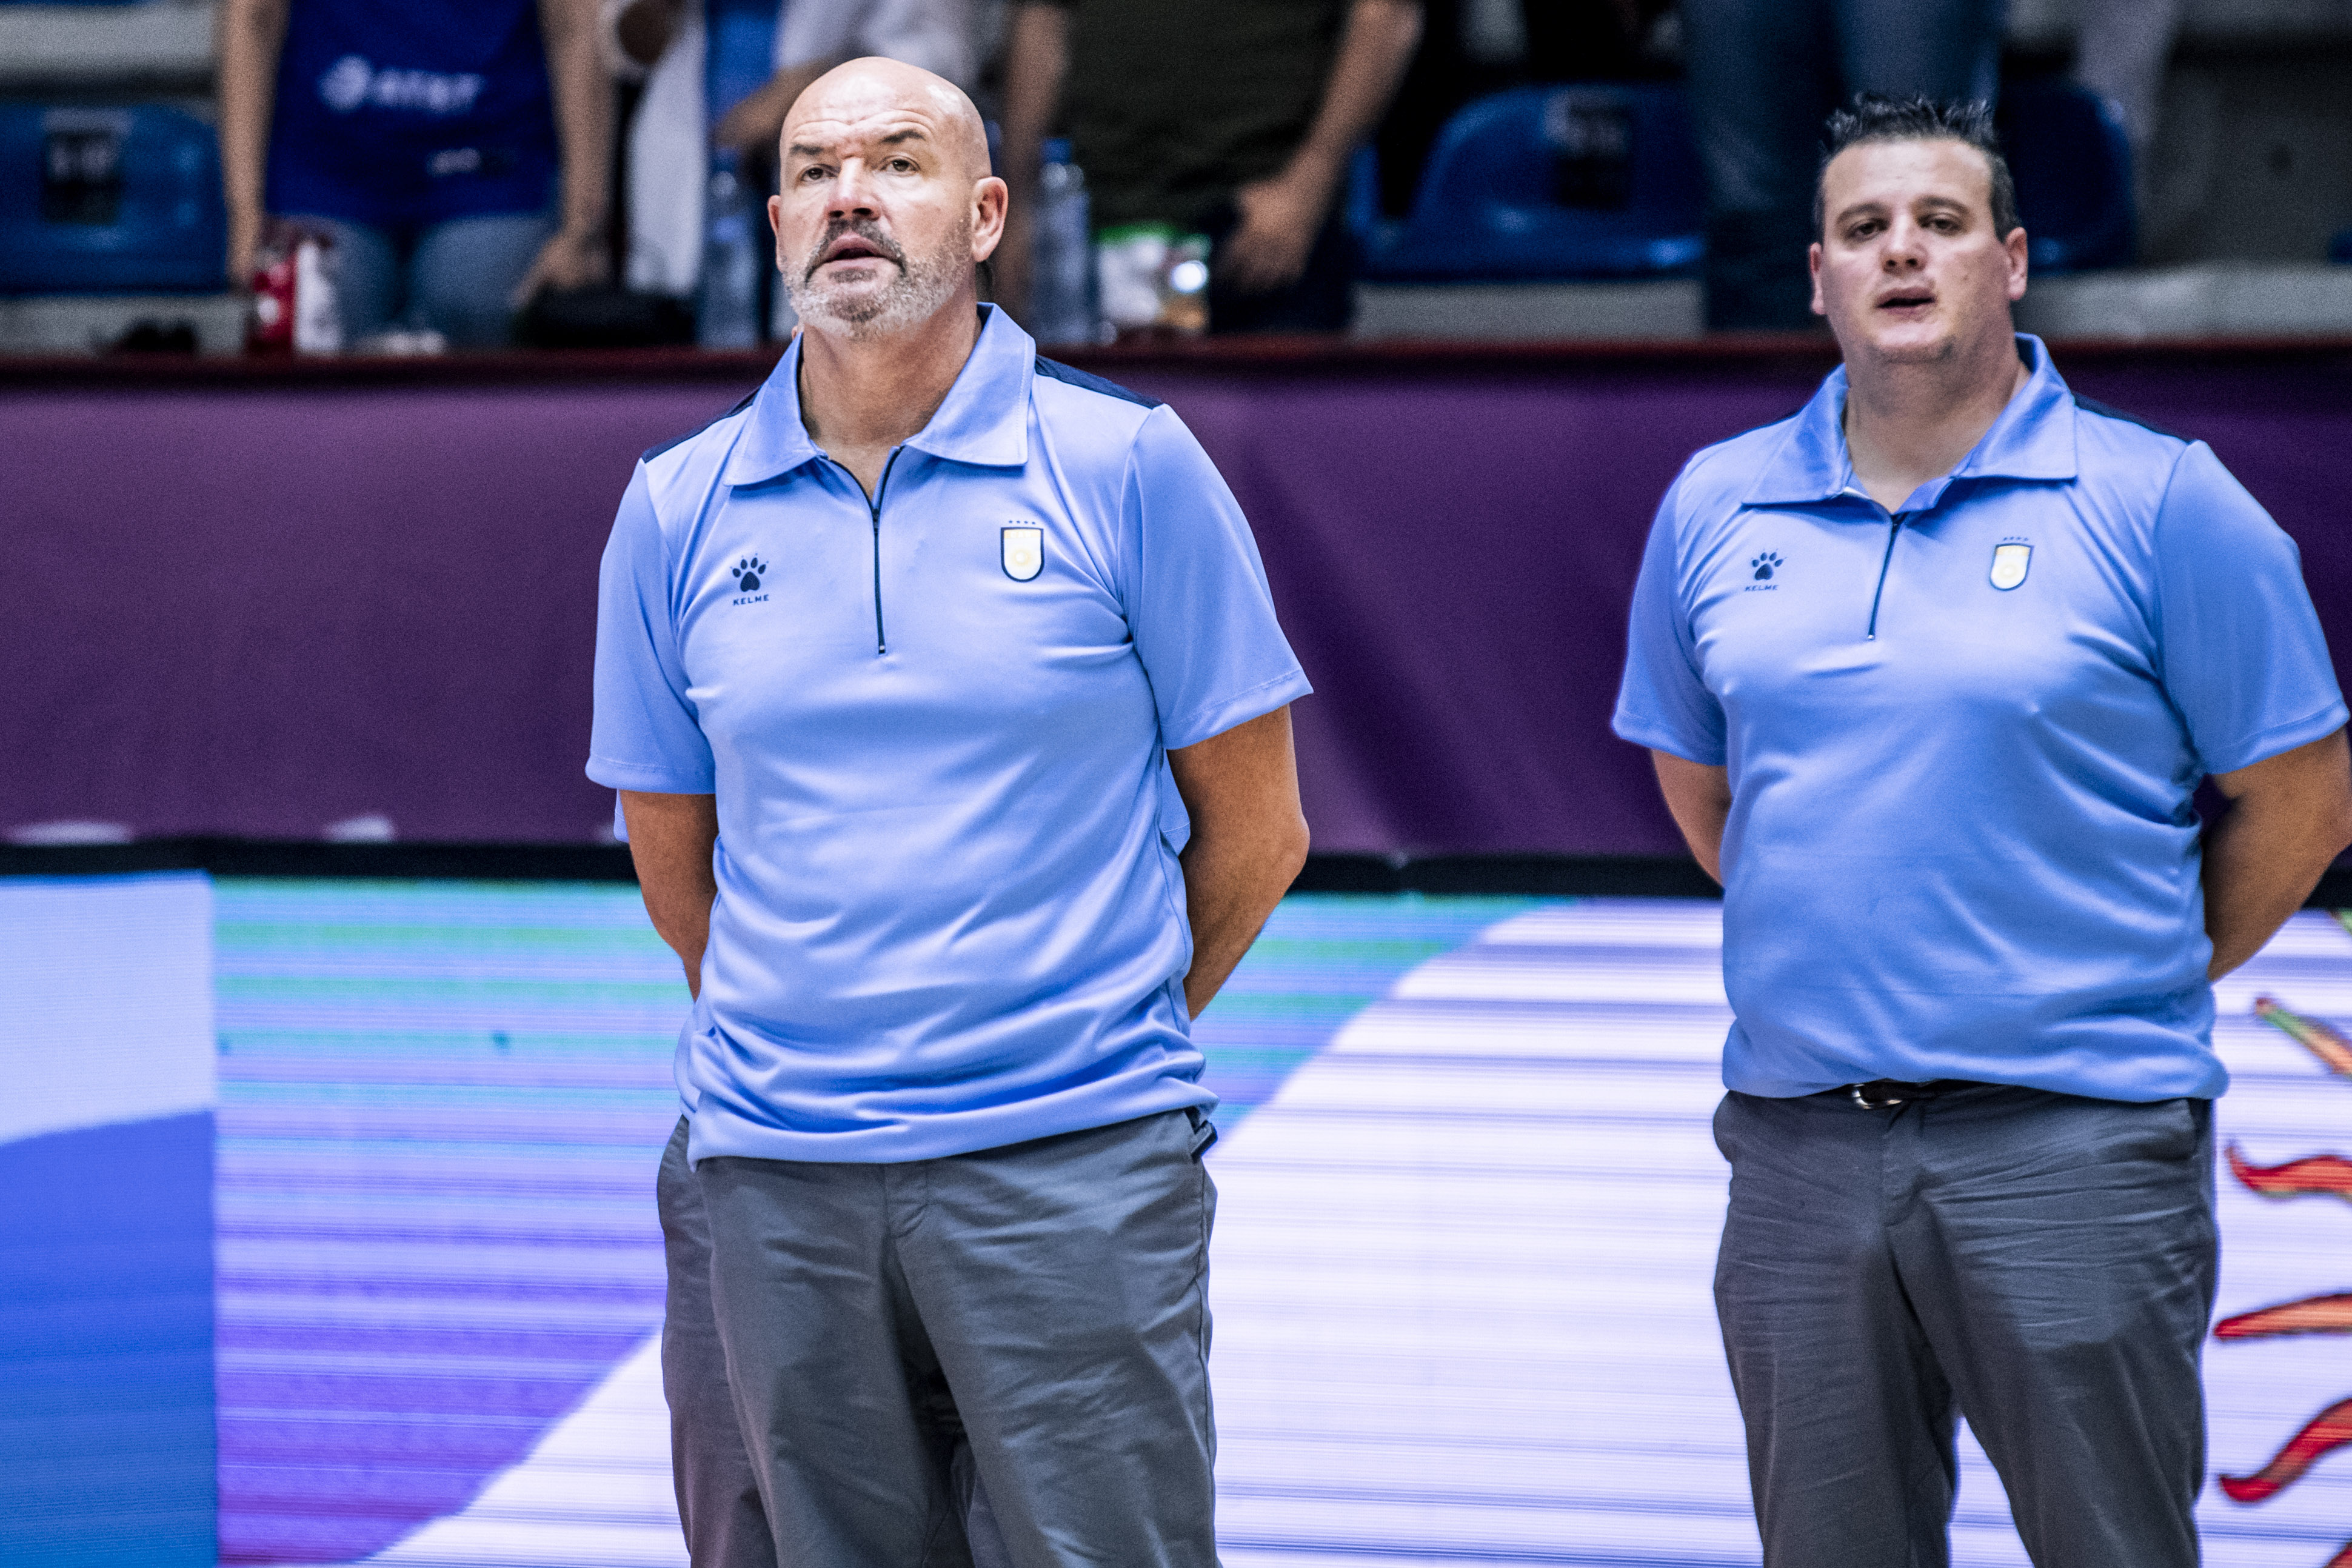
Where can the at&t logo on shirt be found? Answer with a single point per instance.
(351, 81)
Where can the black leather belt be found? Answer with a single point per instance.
(1885, 1093)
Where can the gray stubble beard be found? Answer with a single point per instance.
(925, 283)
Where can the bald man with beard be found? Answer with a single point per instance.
(950, 719)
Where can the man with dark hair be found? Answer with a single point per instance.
(1930, 671)
(1874, 117)
(1762, 73)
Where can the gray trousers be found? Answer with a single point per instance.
(1042, 1308)
(2042, 1263)
(718, 1489)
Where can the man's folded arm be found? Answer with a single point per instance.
(1699, 797)
(670, 839)
(2289, 816)
(1249, 839)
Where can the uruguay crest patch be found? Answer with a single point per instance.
(1024, 553)
(2009, 564)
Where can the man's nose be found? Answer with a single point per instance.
(853, 191)
(1905, 246)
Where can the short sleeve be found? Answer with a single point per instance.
(1663, 702)
(645, 736)
(2240, 648)
(1195, 592)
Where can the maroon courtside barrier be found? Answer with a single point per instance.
(255, 602)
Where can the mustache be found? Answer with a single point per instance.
(865, 229)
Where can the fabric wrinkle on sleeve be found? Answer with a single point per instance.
(2241, 651)
(1663, 702)
(1197, 602)
(645, 736)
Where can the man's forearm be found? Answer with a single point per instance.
(583, 109)
(251, 33)
(1374, 51)
(2289, 817)
(1229, 891)
(1036, 56)
(1699, 797)
(670, 840)
(2259, 868)
(1249, 839)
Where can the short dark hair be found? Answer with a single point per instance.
(1874, 118)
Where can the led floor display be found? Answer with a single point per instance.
(1462, 1264)
(105, 1222)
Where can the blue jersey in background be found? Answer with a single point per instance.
(412, 112)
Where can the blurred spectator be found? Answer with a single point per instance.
(1472, 47)
(662, 43)
(428, 138)
(1234, 118)
(2121, 53)
(1763, 75)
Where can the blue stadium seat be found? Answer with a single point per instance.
(1590, 180)
(109, 201)
(2073, 162)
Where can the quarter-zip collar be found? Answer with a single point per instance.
(2032, 439)
(985, 419)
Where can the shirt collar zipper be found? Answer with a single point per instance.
(1893, 529)
(874, 511)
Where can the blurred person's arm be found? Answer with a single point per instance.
(1281, 216)
(815, 36)
(251, 33)
(670, 839)
(1037, 58)
(754, 126)
(641, 31)
(576, 256)
(811, 37)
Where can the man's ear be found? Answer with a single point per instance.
(2017, 251)
(990, 199)
(1813, 262)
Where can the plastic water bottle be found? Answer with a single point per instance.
(1062, 271)
(727, 303)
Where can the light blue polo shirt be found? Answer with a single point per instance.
(1962, 741)
(949, 912)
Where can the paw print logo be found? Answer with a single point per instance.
(747, 573)
(1765, 565)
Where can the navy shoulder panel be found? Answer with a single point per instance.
(2090, 405)
(1768, 425)
(651, 453)
(1054, 370)
(1754, 430)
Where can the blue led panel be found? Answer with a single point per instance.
(1461, 1274)
(105, 1222)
